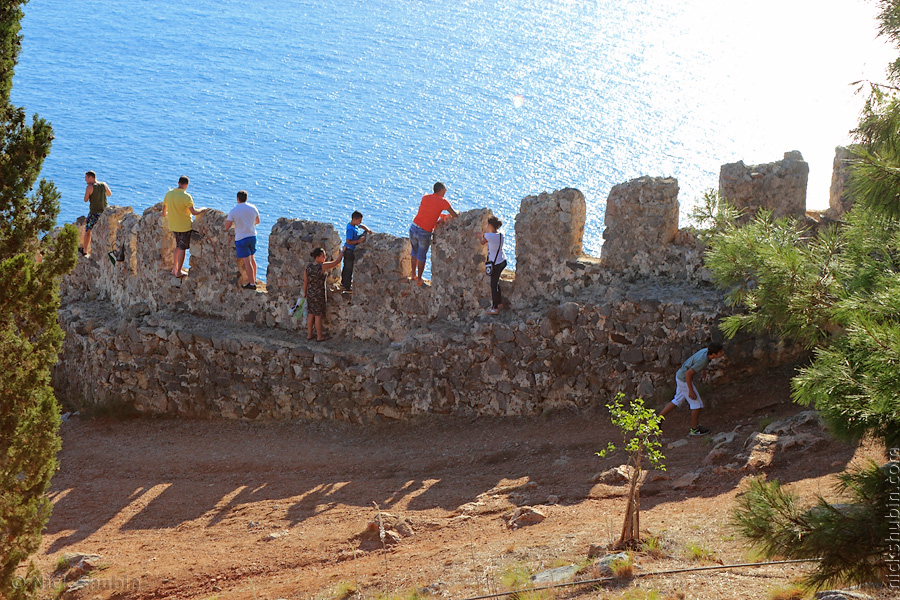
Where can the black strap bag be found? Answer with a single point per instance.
(489, 265)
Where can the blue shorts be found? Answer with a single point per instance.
(245, 247)
(420, 240)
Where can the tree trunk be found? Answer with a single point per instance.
(631, 528)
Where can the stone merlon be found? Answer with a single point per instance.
(579, 329)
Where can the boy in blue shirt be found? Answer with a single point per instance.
(685, 388)
(356, 234)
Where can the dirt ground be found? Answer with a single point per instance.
(228, 510)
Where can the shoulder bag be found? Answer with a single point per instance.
(489, 265)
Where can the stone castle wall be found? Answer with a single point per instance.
(580, 328)
(573, 354)
(641, 219)
(778, 186)
(549, 232)
(839, 195)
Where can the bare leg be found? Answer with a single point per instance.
(318, 327)
(421, 269)
(309, 326)
(242, 275)
(667, 409)
(695, 418)
(252, 261)
(246, 274)
(87, 241)
(412, 272)
(179, 262)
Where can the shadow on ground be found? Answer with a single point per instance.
(157, 474)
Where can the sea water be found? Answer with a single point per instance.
(318, 108)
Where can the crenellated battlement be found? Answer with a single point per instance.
(580, 327)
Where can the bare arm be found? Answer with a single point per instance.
(330, 265)
(195, 211)
(108, 191)
(452, 212)
(165, 209)
(228, 224)
(481, 238)
(257, 220)
(305, 282)
(689, 380)
(88, 191)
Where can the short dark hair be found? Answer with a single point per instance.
(242, 196)
(91, 174)
(495, 222)
(356, 215)
(438, 187)
(317, 252)
(714, 348)
(183, 179)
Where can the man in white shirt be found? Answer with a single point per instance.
(245, 217)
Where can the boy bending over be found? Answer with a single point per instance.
(685, 388)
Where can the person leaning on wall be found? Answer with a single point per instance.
(178, 209)
(496, 261)
(244, 217)
(314, 291)
(430, 209)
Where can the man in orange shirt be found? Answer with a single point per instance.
(430, 210)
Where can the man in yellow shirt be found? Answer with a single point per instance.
(178, 206)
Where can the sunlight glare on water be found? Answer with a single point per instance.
(318, 107)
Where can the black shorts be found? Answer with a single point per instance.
(91, 220)
(183, 239)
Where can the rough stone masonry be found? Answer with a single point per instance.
(580, 328)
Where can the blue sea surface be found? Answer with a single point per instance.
(320, 108)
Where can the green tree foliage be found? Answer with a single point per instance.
(32, 261)
(852, 538)
(838, 292)
(640, 436)
(835, 289)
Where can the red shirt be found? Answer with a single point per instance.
(430, 211)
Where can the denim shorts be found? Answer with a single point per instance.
(420, 240)
(245, 247)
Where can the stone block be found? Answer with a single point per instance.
(384, 305)
(457, 266)
(549, 232)
(290, 244)
(641, 218)
(779, 187)
(213, 259)
(839, 201)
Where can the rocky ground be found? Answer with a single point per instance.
(229, 510)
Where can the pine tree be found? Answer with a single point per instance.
(835, 289)
(838, 292)
(852, 539)
(32, 261)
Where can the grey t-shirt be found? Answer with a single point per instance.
(697, 362)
